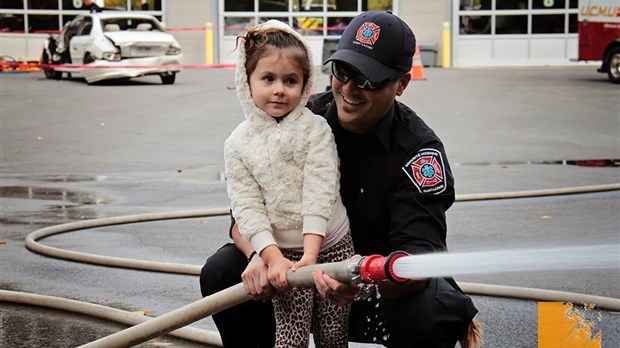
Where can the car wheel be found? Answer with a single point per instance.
(613, 65)
(168, 79)
(49, 73)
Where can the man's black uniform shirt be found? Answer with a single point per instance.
(395, 181)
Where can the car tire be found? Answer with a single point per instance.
(49, 73)
(613, 65)
(168, 79)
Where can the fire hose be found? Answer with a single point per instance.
(237, 295)
(370, 270)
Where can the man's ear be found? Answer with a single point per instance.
(402, 83)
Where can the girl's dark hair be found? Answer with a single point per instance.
(257, 43)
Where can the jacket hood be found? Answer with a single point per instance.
(250, 109)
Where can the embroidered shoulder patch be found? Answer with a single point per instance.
(426, 171)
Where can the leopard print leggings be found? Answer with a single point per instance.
(300, 312)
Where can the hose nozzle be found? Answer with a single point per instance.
(374, 269)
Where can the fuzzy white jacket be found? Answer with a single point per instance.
(282, 177)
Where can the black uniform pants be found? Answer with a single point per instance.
(435, 317)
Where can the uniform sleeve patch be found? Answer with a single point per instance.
(426, 171)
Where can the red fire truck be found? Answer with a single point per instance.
(599, 35)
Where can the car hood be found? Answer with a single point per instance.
(121, 37)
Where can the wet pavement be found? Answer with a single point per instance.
(79, 152)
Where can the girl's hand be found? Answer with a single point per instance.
(277, 273)
(305, 260)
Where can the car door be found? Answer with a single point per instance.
(82, 41)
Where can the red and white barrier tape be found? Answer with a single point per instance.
(17, 65)
(231, 27)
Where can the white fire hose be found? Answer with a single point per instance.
(145, 329)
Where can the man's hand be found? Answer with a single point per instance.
(333, 290)
(277, 273)
(255, 280)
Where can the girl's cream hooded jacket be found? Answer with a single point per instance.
(283, 177)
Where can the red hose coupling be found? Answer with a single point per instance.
(376, 268)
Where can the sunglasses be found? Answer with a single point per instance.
(344, 74)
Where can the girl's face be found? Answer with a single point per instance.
(276, 83)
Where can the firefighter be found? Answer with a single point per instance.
(396, 185)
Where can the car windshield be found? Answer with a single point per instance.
(129, 24)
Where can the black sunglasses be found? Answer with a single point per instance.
(344, 74)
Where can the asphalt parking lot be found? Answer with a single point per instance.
(73, 152)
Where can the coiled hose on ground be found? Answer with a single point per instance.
(174, 321)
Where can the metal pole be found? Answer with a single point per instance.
(209, 43)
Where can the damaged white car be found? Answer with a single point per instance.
(112, 45)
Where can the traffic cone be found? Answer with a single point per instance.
(417, 69)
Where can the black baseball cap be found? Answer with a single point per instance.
(376, 43)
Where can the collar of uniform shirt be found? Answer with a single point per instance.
(382, 131)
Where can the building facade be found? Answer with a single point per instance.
(481, 32)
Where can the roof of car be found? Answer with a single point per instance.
(121, 14)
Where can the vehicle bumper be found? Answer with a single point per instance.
(128, 68)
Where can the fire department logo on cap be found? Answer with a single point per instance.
(368, 33)
(426, 171)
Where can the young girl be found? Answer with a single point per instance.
(283, 181)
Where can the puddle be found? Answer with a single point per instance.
(50, 194)
(587, 163)
(66, 178)
(609, 163)
(31, 326)
(26, 208)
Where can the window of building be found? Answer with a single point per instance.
(511, 5)
(510, 25)
(548, 4)
(308, 17)
(548, 24)
(13, 4)
(146, 5)
(467, 5)
(572, 23)
(517, 17)
(43, 4)
(310, 5)
(272, 5)
(41, 24)
(471, 25)
(12, 23)
(239, 5)
(49, 16)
